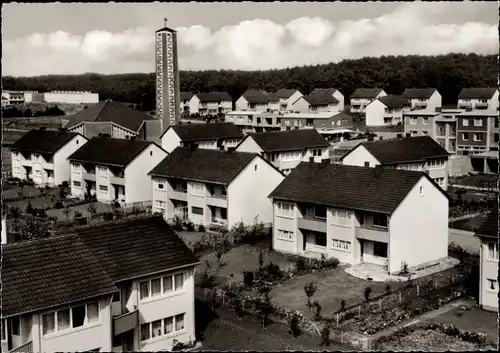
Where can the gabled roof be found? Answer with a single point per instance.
(49, 272)
(323, 91)
(203, 165)
(166, 29)
(351, 187)
(291, 140)
(43, 141)
(418, 93)
(109, 151)
(320, 99)
(403, 150)
(110, 111)
(285, 93)
(214, 97)
(477, 93)
(370, 93)
(489, 228)
(259, 96)
(394, 101)
(185, 96)
(201, 132)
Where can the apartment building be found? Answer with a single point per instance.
(420, 122)
(286, 149)
(387, 217)
(286, 98)
(386, 111)
(322, 121)
(10, 97)
(101, 288)
(116, 120)
(488, 285)
(71, 97)
(114, 170)
(361, 97)
(445, 128)
(478, 98)
(212, 187)
(420, 153)
(428, 99)
(477, 131)
(252, 121)
(41, 155)
(258, 100)
(219, 136)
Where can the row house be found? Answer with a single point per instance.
(216, 136)
(488, 285)
(114, 119)
(332, 125)
(478, 99)
(386, 111)
(114, 170)
(320, 100)
(189, 103)
(477, 131)
(258, 100)
(286, 149)
(421, 154)
(387, 217)
(211, 103)
(286, 98)
(428, 99)
(252, 121)
(212, 187)
(361, 97)
(101, 288)
(41, 155)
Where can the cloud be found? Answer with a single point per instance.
(258, 44)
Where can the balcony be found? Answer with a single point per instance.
(48, 165)
(464, 105)
(117, 180)
(421, 105)
(216, 200)
(312, 223)
(178, 194)
(450, 118)
(24, 348)
(372, 233)
(481, 106)
(89, 175)
(125, 322)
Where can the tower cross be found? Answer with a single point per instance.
(165, 21)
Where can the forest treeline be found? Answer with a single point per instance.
(448, 73)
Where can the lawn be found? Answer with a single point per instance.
(479, 180)
(83, 209)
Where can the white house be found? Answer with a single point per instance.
(423, 99)
(189, 103)
(257, 100)
(41, 155)
(318, 92)
(102, 288)
(316, 103)
(420, 153)
(386, 111)
(71, 97)
(214, 187)
(387, 217)
(361, 97)
(488, 285)
(286, 98)
(213, 103)
(210, 136)
(286, 149)
(478, 98)
(114, 170)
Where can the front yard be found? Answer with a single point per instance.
(477, 180)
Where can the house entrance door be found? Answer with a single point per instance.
(362, 247)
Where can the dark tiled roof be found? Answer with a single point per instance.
(489, 228)
(291, 140)
(477, 93)
(109, 111)
(214, 97)
(366, 93)
(50, 272)
(323, 91)
(203, 165)
(358, 188)
(285, 93)
(418, 93)
(259, 96)
(43, 141)
(166, 29)
(212, 131)
(108, 151)
(406, 149)
(185, 96)
(320, 99)
(137, 247)
(393, 101)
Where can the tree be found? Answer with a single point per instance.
(30, 229)
(67, 212)
(309, 289)
(325, 336)
(14, 213)
(221, 244)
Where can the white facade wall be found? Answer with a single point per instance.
(358, 156)
(433, 102)
(492, 102)
(194, 104)
(62, 170)
(488, 298)
(71, 97)
(340, 97)
(292, 99)
(119, 132)
(170, 140)
(249, 145)
(363, 102)
(375, 113)
(241, 104)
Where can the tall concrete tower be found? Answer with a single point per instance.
(167, 78)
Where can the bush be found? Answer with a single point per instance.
(29, 208)
(201, 228)
(387, 289)
(248, 278)
(300, 264)
(78, 214)
(189, 226)
(64, 184)
(367, 293)
(294, 322)
(58, 205)
(177, 224)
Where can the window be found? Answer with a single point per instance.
(421, 190)
(168, 325)
(317, 152)
(285, 234)
(439, 181)
(156, 287)
(425, 121)
(465, 122)
(78, 315)
(168, 284)
(465, 136)
(493, 251)
(197, 189)
(256, 167)
(160, 186)
(197, 210)
(320, 239)
(144, 288)
(478, 137)
(379, 249)
(413, 121)
(341, 244)
(77, 184)
(63, 319)
(223, 191)
(15, 155)
(380, 220)
(179, 281)
(165, 285)
(48, 322)
(285, 209)
(179, 322)
(103, 188)
(319, 211)
(4, 330)
(492, 284)
(103, 171)
(156, 328)
(150, 153)
(223, 213)
(160, 204)
(478, 122)
(93, 312)
(425, 132)
(145, 332)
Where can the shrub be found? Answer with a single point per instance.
(300, 264)
(177, 223)
(64, 184)
(58, 205)
(325, 336)
(29, 208)
(294, 322)
(78, 214)
(201, 228)
(261, 259)
(189, 226)
(317, 307)
(248, 278)
(309, 289)
(274, 271)
(368, 291)
(387, 289)
(342, 305)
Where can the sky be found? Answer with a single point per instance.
(112, 38)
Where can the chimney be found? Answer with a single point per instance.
(42, 128)
(407, 134)
(370, 138)
(311, 159)
(381, 138)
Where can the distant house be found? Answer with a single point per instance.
(212, 187)
(214, 103)
(286, 149)
(423, 99)
(101, 288)
(478, 98)
(364, 96)
(189, 103)
(208, 136)
(286, 98)
(249, 121)
(421, 154)
(316, 103)
(421, 122)
(386, 111)
(114, 170)
(387, 217)
(115, 119)
(257, 100)
(477, 131)
(41, 155)
(488, 285)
